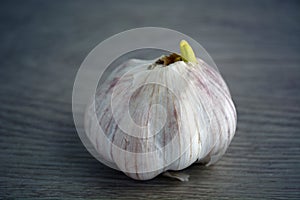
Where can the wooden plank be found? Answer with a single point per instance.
(255, 44)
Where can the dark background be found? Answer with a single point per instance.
(42, 44)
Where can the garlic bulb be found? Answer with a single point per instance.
(160, 115)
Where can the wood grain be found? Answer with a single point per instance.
(255, 44)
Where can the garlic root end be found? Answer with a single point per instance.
(177, 175)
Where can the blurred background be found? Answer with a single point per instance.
(255, 44)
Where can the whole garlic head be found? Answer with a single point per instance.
(159, 115)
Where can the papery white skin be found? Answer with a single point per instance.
(186, 116)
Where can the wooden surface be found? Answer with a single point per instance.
(254, 43)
